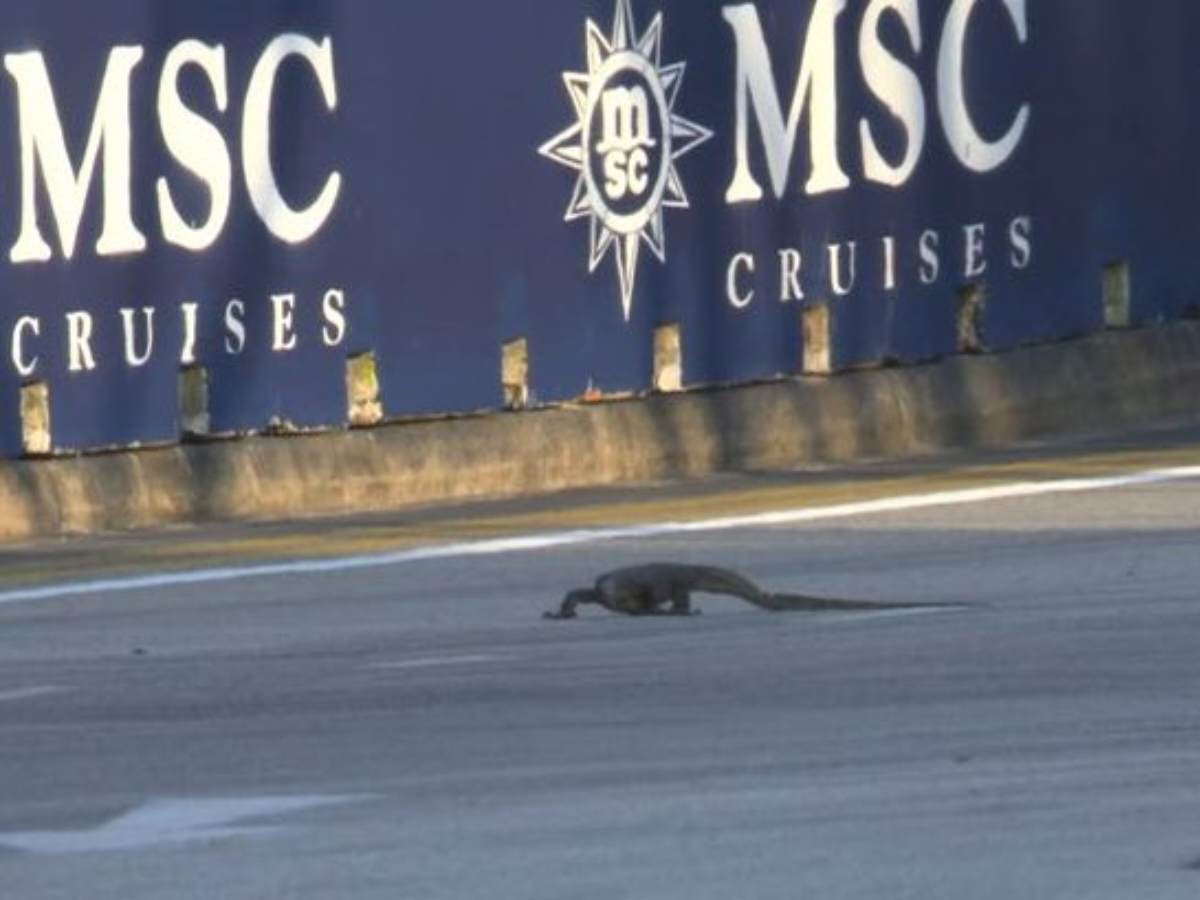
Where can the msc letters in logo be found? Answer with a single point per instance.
(624, 143)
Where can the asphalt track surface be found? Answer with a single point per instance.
(412, 728)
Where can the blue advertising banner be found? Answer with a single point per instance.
(260, 190)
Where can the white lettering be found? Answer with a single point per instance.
(25, 323)
(235, 328)
(284, 306)
(789, 275)
(741, 261)
(188, 355)
(896, 86)
(973, 240)
(44, 146)
(971, 148)
(333, 309)
(79, 342)
(816, 86)
(132, 358)
(286, 223)
(931, 265)
(842, 287)
(639, 181)
(196, 144)
(889, 263)
(625, 173)
(626, 118)
(616, 176)
(1019, 237)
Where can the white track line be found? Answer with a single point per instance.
(29, 693)
(545, 541)
(866, 615)
(437, 661)
(171, 823)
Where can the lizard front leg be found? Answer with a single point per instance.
(681, 604)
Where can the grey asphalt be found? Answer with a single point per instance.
(418, 731)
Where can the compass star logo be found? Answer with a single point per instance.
(624, 143)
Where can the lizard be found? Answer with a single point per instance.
(666, 588)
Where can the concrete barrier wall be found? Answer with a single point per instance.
(1109, 381)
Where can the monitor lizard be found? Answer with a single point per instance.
(657, 589)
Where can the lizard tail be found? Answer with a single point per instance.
(725, 581)
(805, 603)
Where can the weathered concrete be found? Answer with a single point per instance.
(1110, 381)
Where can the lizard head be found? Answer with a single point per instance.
(573, 599)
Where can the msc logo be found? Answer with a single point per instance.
(624, 143)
